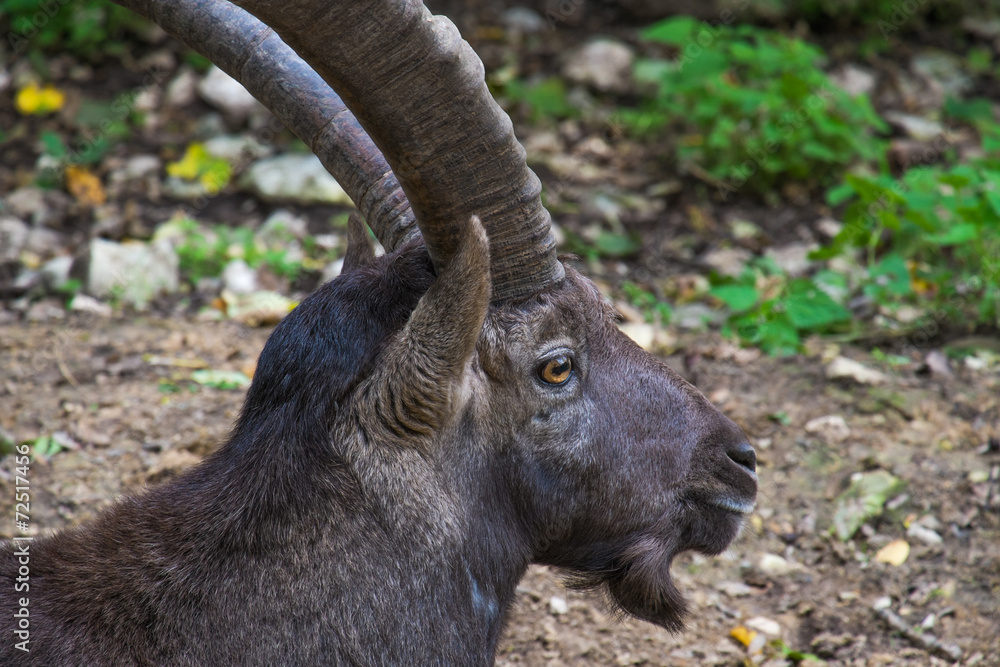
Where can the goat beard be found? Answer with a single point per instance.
(640, 585)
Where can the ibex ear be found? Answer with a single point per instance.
(360, 250)
(418, 386)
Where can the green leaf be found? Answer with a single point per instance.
(956, 234)
(891, 275)
(809, 308)
(220, 379)
(615, 245)
(674, 31)
(737, 298)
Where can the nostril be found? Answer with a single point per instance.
(744, 455)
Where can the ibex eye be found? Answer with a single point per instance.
(556, 370)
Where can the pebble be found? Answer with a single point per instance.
(138, 167)
(134, 272)
(734, 589)
(13, 237)
(294, 177)
(55, 272)
(727, 261)
(45, 311)
(183, 89)
(854, 80)
(227, 95)
(842, 368)
(765, 625)
(239, 278)
(603, 64)
(236, 149)
(925, 535)
(558, 606)
(793, 258)
(523, 20)
(776, 566)
(832, 428)
(916, 127)
(282, 225)
(84, 303)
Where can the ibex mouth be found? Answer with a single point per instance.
(733, 505)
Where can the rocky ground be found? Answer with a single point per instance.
(129, 301)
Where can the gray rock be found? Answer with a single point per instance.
(283, 225)
(134, 272)
(236, 149)
(45, 242)
(915, 127)
(854, 80)
(181, 91)
(38, 206)
(13, 237)
(727, 261)
(82, 303)
(294, 177)
(604, 64)
(945, 69)
(55, 272)
(138, 167)
(831, 428)
(843, 368)
(228, 95)
(793, 258)
(696, 316)
(45, 311)
(523, 20)
(239, 278)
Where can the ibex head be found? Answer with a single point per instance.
(422, 428)
(510, 376)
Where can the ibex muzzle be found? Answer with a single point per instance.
(420, 429)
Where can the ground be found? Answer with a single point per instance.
(115, 392)
(98, 382)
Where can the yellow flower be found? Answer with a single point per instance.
(34, 101)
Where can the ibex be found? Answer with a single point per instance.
(420, 429)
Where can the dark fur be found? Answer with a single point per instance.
(396, 467)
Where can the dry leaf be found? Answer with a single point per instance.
(894, 553)
(742, 635)
(85, 186)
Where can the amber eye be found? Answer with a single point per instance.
(556, 370)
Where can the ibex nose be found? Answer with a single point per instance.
(744, 455)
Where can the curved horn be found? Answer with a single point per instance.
(419, 91)
(254, 55)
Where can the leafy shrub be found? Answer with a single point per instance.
(936, 234)
(774, 312)
(752, 106)
(84, 27)
(546, 98)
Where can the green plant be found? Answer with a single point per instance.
(86, 28)
(205, 251)
(544, 99)
(773, 311)
(752, 106)
(931, 238)
(647, 302)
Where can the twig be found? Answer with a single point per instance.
(64, 369)
(926, 641)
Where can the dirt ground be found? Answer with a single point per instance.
(109, 389)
